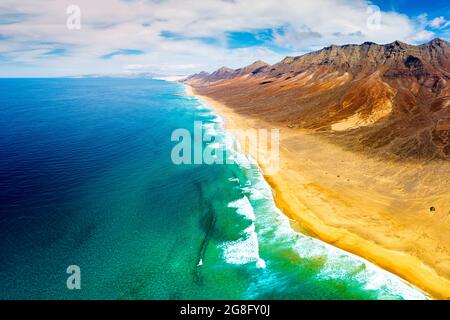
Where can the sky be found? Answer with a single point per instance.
(51, 38)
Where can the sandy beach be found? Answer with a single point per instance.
(377, 210)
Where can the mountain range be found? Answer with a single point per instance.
(388, 100)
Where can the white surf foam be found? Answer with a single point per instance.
(243, 207)
(244, 250)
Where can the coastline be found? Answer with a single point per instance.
(290, 197)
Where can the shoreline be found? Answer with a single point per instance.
(409, 268)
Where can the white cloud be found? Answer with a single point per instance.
(110, 25)
(439, 22)
(422, 36)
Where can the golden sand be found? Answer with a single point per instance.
(377, 210)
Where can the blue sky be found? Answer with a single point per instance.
(176, 37)
(415, 7)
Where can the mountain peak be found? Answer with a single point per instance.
(259, 63)
(397, 45)
(223, 69)
(253, 68)
(438, 42)
(287, 59)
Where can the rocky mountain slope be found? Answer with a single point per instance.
(387, 100)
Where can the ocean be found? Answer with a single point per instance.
(87, 179)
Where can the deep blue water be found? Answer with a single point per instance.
(86, 179)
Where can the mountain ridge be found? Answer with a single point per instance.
(387, 100)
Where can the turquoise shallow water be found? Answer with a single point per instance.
(86, 178)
